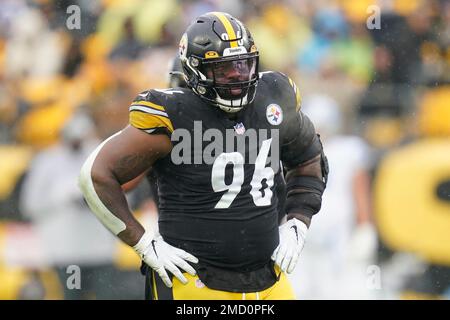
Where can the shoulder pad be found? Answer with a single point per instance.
(148, 112)
(282, 82)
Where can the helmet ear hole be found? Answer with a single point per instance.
(194, 62)
(201, 89)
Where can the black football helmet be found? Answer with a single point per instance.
(176, 75)
(220, 61)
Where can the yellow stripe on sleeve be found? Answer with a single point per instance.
(148, 104)
(291, 82)
(297, 94)
(142, 120)
(299, 100)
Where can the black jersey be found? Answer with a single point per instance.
(216, 187)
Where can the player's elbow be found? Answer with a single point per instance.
(84, 180)
(99, 176)
(89, 177)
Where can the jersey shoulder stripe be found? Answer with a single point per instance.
(298, 98)
(148, 114)
(148, 104)
(150, 110)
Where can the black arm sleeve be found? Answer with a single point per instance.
(304, 193)
(302, 143)
(300, 146)
(280, 190)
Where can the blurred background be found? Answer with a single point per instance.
(378, 95)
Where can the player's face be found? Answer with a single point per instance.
(229, 72)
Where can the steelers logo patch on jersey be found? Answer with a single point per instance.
(274, 114)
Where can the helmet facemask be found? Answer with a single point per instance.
(227, 82)
(220, 61)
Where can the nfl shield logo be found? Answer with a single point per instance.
(239, 128)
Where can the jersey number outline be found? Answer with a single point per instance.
(262, 196)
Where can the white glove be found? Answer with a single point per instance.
(160, 255)
(292, 240)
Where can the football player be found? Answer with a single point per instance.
(176, 80)
(215, 147)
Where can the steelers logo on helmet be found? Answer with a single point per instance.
(182, 47)
(221, 61)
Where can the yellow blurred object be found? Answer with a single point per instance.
(409, 214)
(406, 7)
(273, 34)
(383, 132)
(434, 113)
(52, 285)
(108, 4)
(14, 279)
(133, 75)
(95, 76)
(430, 51)
(8, 108)
(447, 55)
(41, 90)
(411, 295)
(2, 57)
(148, 17)
(126, 258)
(76, 91)
(110, 24)
(41, 2)
(11, 279)
(357, 11)
(275, 16)
(41, 127)
(151, 17)
(98, 76)
(95, 48)
(14, 161)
